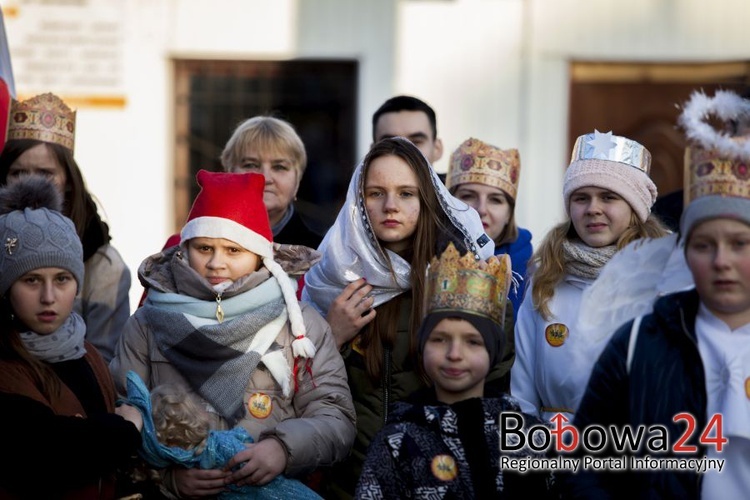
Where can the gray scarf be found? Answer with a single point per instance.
(217, 359)
(584, 261)
(63, 344)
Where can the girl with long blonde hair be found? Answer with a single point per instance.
(608, 197)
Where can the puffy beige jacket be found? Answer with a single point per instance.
(315, 423)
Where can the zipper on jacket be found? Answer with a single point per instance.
(386, 383)
(699, 477)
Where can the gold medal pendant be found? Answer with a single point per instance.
(219, 310)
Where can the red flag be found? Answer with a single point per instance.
(4, 111)
(7, 85)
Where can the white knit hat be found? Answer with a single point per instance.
(231, 206)
(611, 162)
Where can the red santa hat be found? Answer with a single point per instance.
(230, 206)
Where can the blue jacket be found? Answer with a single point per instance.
(520, 252)
(666, 377)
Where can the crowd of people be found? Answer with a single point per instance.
(377, 360)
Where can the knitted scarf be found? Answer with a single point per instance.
(584, 261)
(218, 359)
(63, 344)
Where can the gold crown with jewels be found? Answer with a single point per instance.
(458, 283)
(713, 172)
(477, 161)
(44, 118)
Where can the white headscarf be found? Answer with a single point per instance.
(351, 251)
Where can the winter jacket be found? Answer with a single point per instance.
(446, 451)
(315, 423)
(400, 379)
(520, 252)
(297, 232)
(666, 377)
(82, 448)
(104, 301)
(553, 360)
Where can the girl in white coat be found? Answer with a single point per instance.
(608, 197)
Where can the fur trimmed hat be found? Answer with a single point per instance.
(611, 162)
(34, 233)
(230, 206)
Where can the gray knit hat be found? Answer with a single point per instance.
(33, 232)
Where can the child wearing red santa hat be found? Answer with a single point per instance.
(221, 319)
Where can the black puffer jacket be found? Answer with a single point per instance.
(666, 377)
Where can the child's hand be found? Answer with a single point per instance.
(351, 310)
(265, 460)
(196, 483)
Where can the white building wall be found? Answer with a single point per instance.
(493, 69)
(498, 69)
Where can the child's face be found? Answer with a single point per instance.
(43, 298)
(718, 254)
(39, 160)
(491, 203)
(599, 216)
(391, 194)
(220, 260)
(456, 360)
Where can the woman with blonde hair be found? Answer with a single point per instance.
(270, 146)
(608, 197)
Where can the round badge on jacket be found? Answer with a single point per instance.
(747, 387)
(556, 334)
(259, 405)
(444, 467)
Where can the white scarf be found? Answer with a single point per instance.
(63, 344)
(351, 251)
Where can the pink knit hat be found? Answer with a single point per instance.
(611, 162)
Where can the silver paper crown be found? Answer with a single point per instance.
(599, 146)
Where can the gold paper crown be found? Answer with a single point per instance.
(456, 283)
(711, 172)
(599, 146)
(477, 161)
(43, 118)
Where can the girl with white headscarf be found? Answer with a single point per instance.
(370, 281)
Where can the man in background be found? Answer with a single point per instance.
(409, 117)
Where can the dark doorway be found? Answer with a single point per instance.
(318, 97)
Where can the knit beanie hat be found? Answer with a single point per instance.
(611, 162)
(717, 165)
(477, 161)
(230, 206)
(34, 233)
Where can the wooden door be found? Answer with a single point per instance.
(642, 102)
